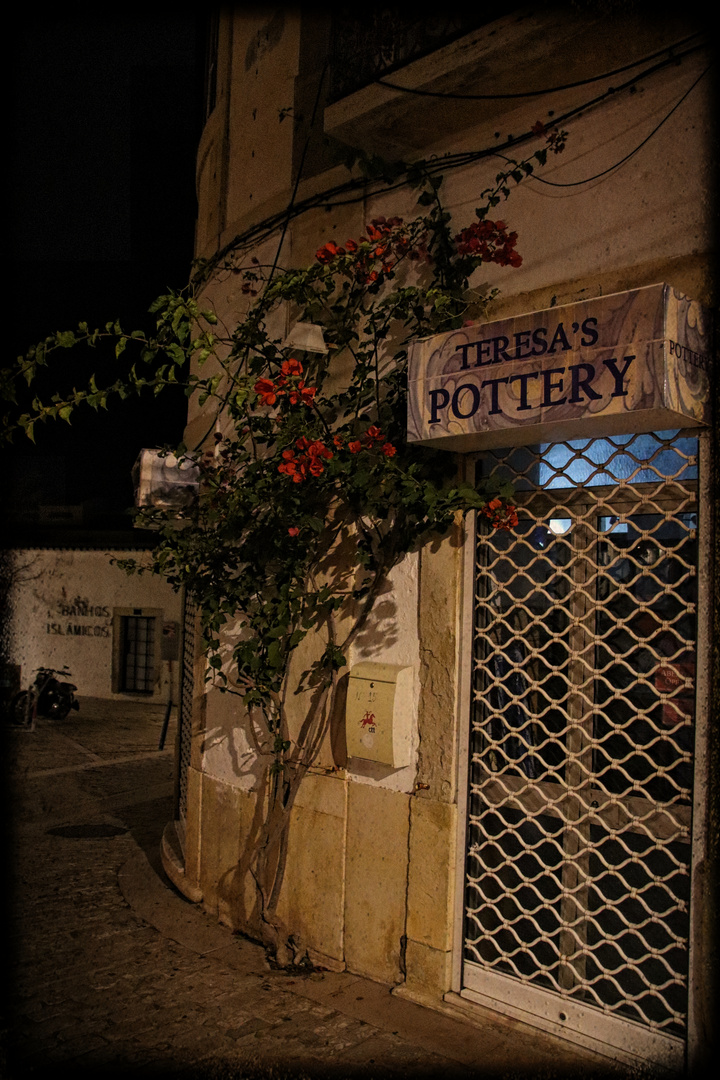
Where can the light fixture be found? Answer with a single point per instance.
(308, 337)
(164, 481)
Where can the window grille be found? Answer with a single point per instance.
(137, 666)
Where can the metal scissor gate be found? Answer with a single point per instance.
(577, 884)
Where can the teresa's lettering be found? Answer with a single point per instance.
(590, 331)
(560, 339)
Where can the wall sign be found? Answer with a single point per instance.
(80, 608)
(628, 362)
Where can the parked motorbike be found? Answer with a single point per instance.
(46, 696)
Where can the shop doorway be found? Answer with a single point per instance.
(582, 735)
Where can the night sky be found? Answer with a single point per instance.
(105, 122)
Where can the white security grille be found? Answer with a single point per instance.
(582, 728)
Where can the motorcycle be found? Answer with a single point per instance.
(47, 696)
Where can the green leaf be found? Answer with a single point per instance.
(176, 353)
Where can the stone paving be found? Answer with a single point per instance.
(113, 973)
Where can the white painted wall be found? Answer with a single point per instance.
(62, 605)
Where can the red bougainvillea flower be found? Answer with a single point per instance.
(556, 141)
(317, 452)
(303, 393)
(293, 530)
(501, 517)
(555, 138)
(328, 252)
(267, 391)
(389, 450)
(291, 367)
(355, 446)
(489, 241)
(310, 463)
(373, 433)
(318, 449)
(338, 441)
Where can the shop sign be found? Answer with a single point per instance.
(634, 361)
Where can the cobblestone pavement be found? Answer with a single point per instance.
(113, 973)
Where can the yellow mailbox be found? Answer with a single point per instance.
(378, 714)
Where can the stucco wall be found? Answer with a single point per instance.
(62, 605)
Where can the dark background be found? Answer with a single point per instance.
(105, 118)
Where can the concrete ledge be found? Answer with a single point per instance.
(174, 866)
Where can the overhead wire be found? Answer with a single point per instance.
(329, 199)
(611, 168)
(535, 93)
(287, 214)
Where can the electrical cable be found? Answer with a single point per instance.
(326, 199)
(287, 215)
(535, 93)
(459, 160)
(589, 179)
